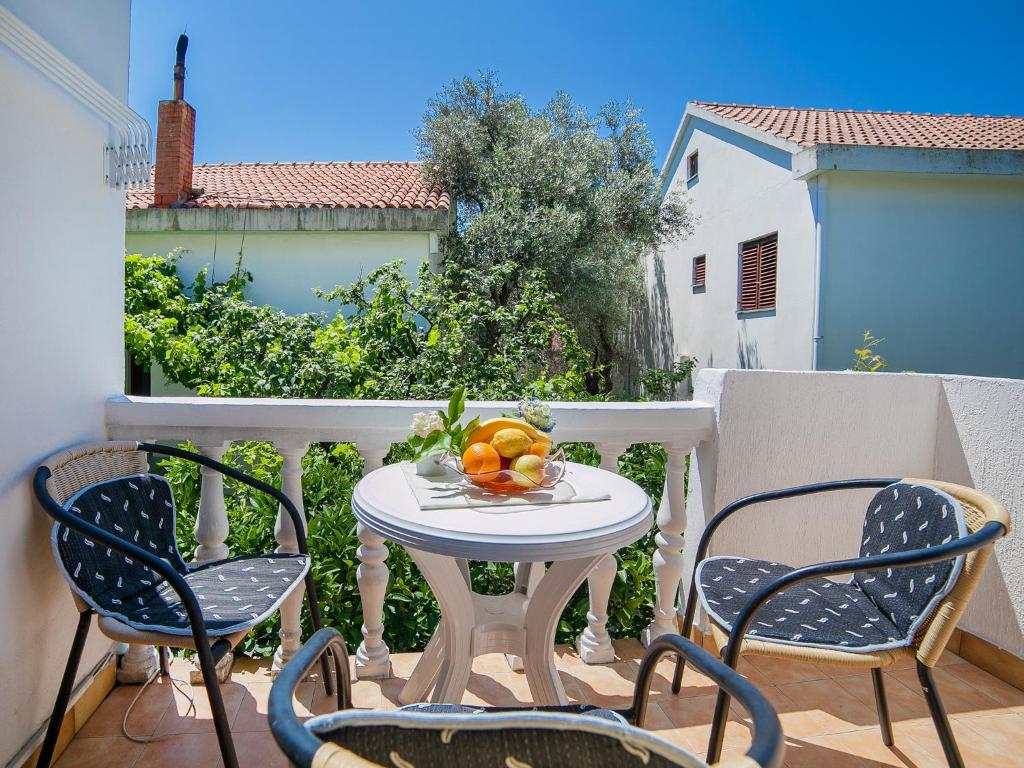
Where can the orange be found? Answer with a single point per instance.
(538, 449)
(481, 458)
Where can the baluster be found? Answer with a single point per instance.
(373, 658)
(668, 559)
(211, 530)
(287, 541)
(212, 521)
(594, 645)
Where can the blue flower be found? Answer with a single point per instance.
(536, 413)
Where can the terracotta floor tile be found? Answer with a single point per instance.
(853, 749)
(606, 685)
(693, 716)
(100, 752)
(905, 705)
(491, 663)
(780, 672)
(821, 707)
(108, 718)
(180, 750)
(958, 696)
(258, 749)
(1004, 693)
(178, 719)
(984, 742)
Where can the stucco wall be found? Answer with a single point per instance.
(778, 429)
(744, 190)
(287, 266)
(931, 263)
(61, 231)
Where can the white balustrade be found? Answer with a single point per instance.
(594, 643)
(373, 658)
(287, 541)
(668, 559)
(211, 531)
(373, 425)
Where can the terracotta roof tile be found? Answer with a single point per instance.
(885, 129)
(306, 185)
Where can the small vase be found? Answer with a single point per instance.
(429, 467)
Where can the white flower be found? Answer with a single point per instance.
(425, 422)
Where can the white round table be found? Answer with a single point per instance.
(572, 537)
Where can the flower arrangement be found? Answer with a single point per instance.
(439, 432)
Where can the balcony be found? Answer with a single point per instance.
(743, 432)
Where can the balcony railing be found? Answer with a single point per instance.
(373, 426)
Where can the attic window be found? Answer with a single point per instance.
(691, 166)
(698, 272)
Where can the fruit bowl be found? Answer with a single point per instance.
(507, 480)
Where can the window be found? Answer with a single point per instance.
(691, 166)
(758, 268)
(698, 271)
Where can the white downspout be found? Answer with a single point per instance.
(820, 218)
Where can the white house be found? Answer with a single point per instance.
(816, 225)
(299, 226)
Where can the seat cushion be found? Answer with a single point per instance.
(816, 613)
(234, 595)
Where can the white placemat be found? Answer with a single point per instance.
(452, 491)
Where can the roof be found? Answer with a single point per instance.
(810, 127)
(306, 185)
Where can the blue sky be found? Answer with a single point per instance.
(301, 81)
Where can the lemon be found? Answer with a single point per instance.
(511, 442)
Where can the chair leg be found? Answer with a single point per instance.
(677, 677)
(60, 706)
(931, 695)
(165, 668)
(314, 615)
(721, 716)
(213, 690)
(883, 707)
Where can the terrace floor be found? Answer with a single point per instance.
(828, 715)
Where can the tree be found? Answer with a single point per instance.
(561, 191)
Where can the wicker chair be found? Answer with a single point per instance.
(113, 539)
(447, 735)
(924, 549)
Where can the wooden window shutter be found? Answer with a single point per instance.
(748, 277)
(766, 277)
(758, 274)
(699, 271)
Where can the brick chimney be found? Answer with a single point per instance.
(175, 141)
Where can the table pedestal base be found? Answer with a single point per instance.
(473, 624)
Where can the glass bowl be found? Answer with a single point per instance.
(508, 481)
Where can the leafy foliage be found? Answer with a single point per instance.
(866, 359)
(661, 383)
(559, 191)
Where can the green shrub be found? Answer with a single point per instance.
(330, 471)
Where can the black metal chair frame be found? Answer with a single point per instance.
(300, 744)
(209, 653)
(986, 535)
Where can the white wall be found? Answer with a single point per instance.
(287, 266)
(778, 429)
(744, 190)
(931, 263)
(61, 277)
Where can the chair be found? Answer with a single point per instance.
(445, 735)
(114, 541)
(925, 545)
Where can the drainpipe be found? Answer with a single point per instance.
(820, 221)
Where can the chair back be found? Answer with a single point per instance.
(908, 516)
(516, 739)
(104, 487)
(979, 509)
